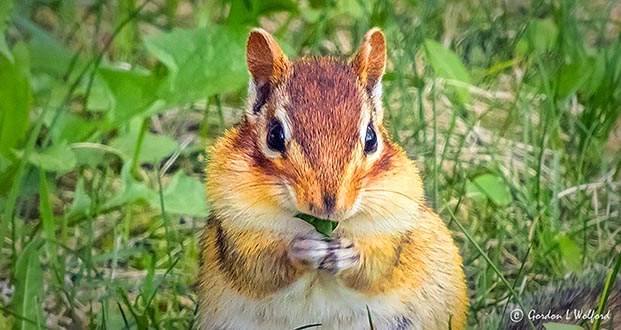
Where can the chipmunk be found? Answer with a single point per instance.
(312, 141)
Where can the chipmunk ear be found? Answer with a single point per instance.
(370, 61)
(267, 65)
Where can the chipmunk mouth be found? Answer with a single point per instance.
(323, 226)
(323, 206)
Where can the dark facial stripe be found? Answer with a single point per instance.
(385, 162)
(267, 269)
(263, 93)
(226, 252)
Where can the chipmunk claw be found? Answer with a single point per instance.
(319, 252)
(341, 255)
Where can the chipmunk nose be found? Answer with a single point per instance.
(323, 207)
(329, 201)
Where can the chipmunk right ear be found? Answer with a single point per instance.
(267, 65)
(370, 61)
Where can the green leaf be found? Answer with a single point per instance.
(5, 11)
(29, 293)
(47, 54)
(4, 164)
(89, 156)
(521, 48)
(325, 227)
(183, 195)
(70, 127)
(81, 201)
(14, 99)
(571, 77)
(561, 326)
(92, 154)
(58, 158)
(595, 70)
(447, 64)
(542, 35)
(570, 252)
(248, 12)
(6, 322)
(133, 93)
(352, 9)
(148, 286)
(131, 190)
(489, 186)
(311, 15)
(99, 99)
(154, 147)
(200, 62)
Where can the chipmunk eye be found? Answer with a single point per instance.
(275, 136)
(370, 140)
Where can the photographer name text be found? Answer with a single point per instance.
(570, 314)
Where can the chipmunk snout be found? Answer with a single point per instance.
(323, 208)
(321, 203)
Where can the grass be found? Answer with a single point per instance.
(511, 110)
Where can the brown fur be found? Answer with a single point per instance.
(242, 253)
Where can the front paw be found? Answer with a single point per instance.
(318, 252)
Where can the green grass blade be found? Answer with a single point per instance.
(47, 216)
(610, 281)
(491, 264)
(308, 326)
(370, 318)
(29, 288)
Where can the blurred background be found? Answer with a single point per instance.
(511, 109)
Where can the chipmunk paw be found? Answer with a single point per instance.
(319, 252)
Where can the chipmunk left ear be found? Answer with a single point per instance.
(267, 65)
(370, 61)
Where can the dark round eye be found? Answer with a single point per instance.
(276, 136)
(370, 140)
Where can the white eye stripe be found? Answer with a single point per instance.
(281, 115)
(365, 120)
(364, 124)
(376, 100)
(376, 93)
(250, 100)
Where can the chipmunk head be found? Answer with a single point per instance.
(318, 121)
(313, 131)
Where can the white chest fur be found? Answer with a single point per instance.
(313, 299)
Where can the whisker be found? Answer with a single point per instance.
(244, 212)
(376, 199)
(391, 191)
(381, 211)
